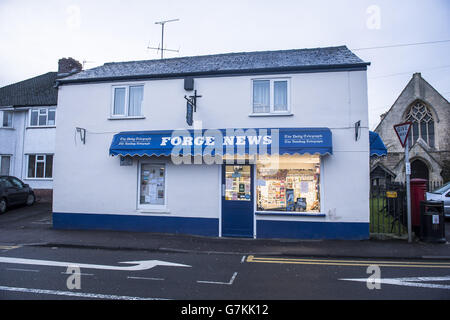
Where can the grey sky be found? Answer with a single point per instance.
(35, 34)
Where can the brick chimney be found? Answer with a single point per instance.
(68, 66)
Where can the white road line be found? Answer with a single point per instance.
(143, 278)
(243, 259)
(78, 274)
(136, 265)
(27, 270)
(229, 283)
(410, 282)
(9, 247)
(75, 294)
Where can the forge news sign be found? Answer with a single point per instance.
(223, 141)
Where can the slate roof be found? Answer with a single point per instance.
(37, 91)
(229, 63)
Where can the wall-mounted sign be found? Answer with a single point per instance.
(126, 161)
(223, 141)
(189, 114)
(391, 194)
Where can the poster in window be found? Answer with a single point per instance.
(301, 204)
(290, 203)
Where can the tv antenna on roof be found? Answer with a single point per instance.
(162, 23)
(85, 61)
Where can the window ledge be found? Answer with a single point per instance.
(7, 128)
(293, 213)
(126, 118)
(156, 211)
(40, 127)
(283, 114)
(39, 179)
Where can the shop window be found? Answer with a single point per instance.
(291, 183)
(40, 166)
(6, 117)
(127, 101)
(42, 117)
(152, 184)
(270, 96)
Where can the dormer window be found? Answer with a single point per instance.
(422, 124)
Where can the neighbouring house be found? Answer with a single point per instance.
(252, 144)
(28, 114)
(429, 141)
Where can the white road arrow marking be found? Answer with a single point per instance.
(138, 265)
(410, 282)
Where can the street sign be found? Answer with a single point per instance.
(408, 167)
(402, 131)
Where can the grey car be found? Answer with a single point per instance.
(14, 192)
(442, 194)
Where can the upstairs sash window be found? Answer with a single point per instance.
(6, 117)
(271, 96)
(42, 117)
(127, 101)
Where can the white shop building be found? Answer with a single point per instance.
(278, 146)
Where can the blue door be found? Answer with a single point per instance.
(237, 201)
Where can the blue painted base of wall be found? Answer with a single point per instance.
(271, 229)
(182, 225)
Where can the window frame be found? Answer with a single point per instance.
(10, 162)
(3, 119)
(152, 208)
(320, 213)
(272, 111)
(35, 165)
(126, 113)
(38, 110)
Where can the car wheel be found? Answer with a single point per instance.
(3, 205)
(30, 199)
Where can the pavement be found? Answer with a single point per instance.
(32, 226)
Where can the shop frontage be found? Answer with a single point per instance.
(272, 172)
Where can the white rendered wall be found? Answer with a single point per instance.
(11, 143)
(88, 180)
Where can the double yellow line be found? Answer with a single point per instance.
(351, 263)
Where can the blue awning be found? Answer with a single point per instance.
(223, 141)
(377, 147)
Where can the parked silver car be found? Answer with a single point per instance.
(442, 194)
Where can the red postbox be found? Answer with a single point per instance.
(418, 190)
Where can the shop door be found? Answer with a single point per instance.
(237, 201)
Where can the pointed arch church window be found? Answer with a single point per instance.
(423, 124)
